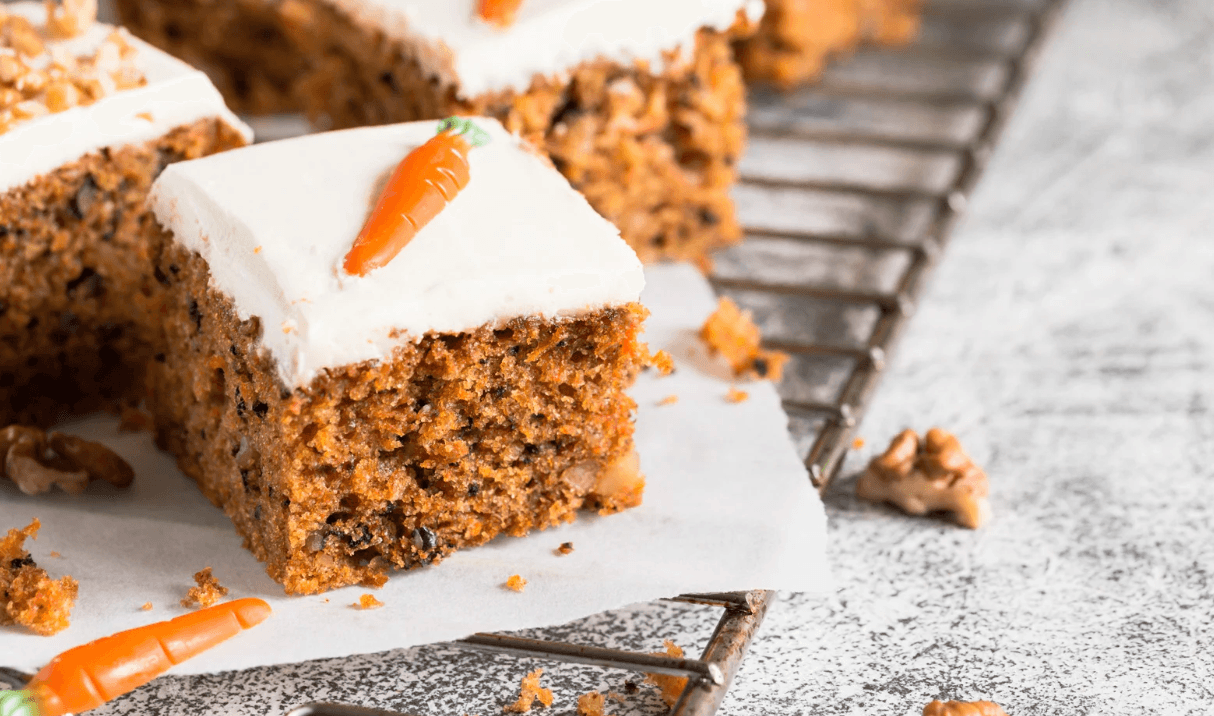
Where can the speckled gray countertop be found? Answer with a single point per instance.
(1068, 338)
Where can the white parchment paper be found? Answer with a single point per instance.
(728, 506)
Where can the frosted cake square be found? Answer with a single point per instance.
(351, 424)
(89, 116)
(640, 104)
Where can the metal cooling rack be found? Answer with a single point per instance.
(850, 191)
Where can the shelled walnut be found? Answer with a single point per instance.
(929, 475)
(963, 708)
(36, 462)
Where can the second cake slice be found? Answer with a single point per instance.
(350, 425)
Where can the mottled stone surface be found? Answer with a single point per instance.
(1068, 338)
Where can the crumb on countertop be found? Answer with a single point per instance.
(516, 583)
(565, 548)
(737, 396)
(591, 704)
(530, 691)
(932, 474)
(663, 361)
(669, 400)
(963, 708)
(671, 687)
(206, 592)
(367, 601)
(28, 596)
(730, 332)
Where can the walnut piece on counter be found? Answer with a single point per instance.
(963, 708)
(929, 475)
(36, 462)
(207, 591)
(730, 332)
(529, 692)
(28, 596)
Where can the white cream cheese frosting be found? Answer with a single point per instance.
(548, 37)
(175, 95)
(274, 222)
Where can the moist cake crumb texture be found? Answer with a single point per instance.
(516, 583)
(28, 596)
(591, 704)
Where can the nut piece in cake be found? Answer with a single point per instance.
(36, 462)
(730, 332)
(530, 691)
(206, 592)
(28, 596)
(932, 474)
(963, 708)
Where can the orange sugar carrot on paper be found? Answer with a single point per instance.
(420, 187)
(498, 12)
(87, 676)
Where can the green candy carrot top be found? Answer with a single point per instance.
(420, 187)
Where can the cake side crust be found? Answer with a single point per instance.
(393, 465)
(78, 300)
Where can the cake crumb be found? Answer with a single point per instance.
(963, 708)
(530, 691)
(56, 555)
(146, 116)
(134, 420)
(147, 606)
(591, 704)
(671, 687)
(737, 396)
(565, 548)
(932, 474)
(614, 696)
(28, 596)
(669, 400)
(857, 444)
(730, 332)
(663, 361)
(207, 591)
(516, 583)
(367, 601)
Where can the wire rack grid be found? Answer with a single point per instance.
(850, 192)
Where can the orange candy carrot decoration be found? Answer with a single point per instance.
(86, 677)
(420, 187)
(499, 12)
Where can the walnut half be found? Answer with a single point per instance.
(929, 475)
(36, 462)
(963, 708)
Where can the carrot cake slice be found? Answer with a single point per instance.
(640, 104)
(88, 117)
(797, 37)
(356, 410)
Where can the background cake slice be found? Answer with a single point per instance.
(89, 116)
(348, 425)
(639, 103)
(796, 38)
